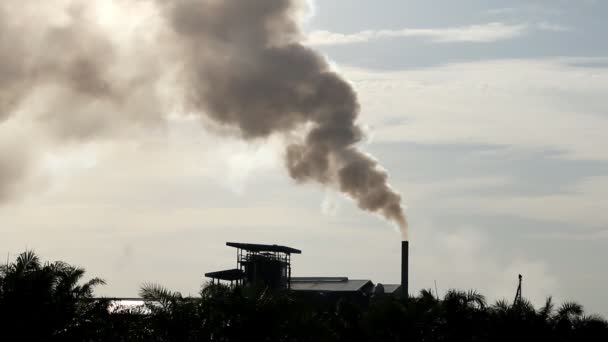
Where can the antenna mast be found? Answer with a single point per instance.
(517, 300)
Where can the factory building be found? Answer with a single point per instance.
(269, 266)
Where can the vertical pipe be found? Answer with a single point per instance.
(404, 268)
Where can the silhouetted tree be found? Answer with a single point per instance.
(49, 302)
(41, 302)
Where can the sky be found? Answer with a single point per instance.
(489, 117)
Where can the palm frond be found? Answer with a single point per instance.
(86, 290)
(547, 310)
(26, 261)
(501, 305)
(526, 307)
(570, 309)
(67, 278)
(96, 282)
(594, 318)
(474, 297)
(427, 294)
(454, 296)
(156, 292)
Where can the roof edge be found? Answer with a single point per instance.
(255, 247)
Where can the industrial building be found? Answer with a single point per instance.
(269, 266)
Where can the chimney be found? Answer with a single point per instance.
(404, 268)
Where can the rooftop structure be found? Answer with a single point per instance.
(253, 247)
(259, 265)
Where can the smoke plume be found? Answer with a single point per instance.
(64, 80)
(240, 65)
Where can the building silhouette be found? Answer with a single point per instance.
(269, 266)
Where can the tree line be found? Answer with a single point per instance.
(51, 302)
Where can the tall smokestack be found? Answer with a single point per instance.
(404, 267)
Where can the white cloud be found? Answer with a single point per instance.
(544, 104)
(482, 33)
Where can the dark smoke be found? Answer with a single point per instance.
(237, 63)
(244, 67)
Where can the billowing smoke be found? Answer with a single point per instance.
(244, 67)
(238, 64)
(63, 79)
(69, 60)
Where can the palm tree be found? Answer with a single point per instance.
(26, 262)
(546, 312)
(171, 316)
(68, 279)
(471, 300)
(46, 296)
(464, 314)
(159, 297)
(569, 311)
(590, 328)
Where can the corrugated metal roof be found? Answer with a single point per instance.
(253, 247)
(391, 288)
(319, 279)
(230, 275)
(329, 284)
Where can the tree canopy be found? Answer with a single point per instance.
(51, 302)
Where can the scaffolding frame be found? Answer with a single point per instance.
(246, 256)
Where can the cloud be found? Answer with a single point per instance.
(529, 8)
(463, 258)
(582, 204)
(535, 105)
(501, 11)
(572, 236)
(417, 192)
(483, 33)
(546, 26)
(13, 167)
